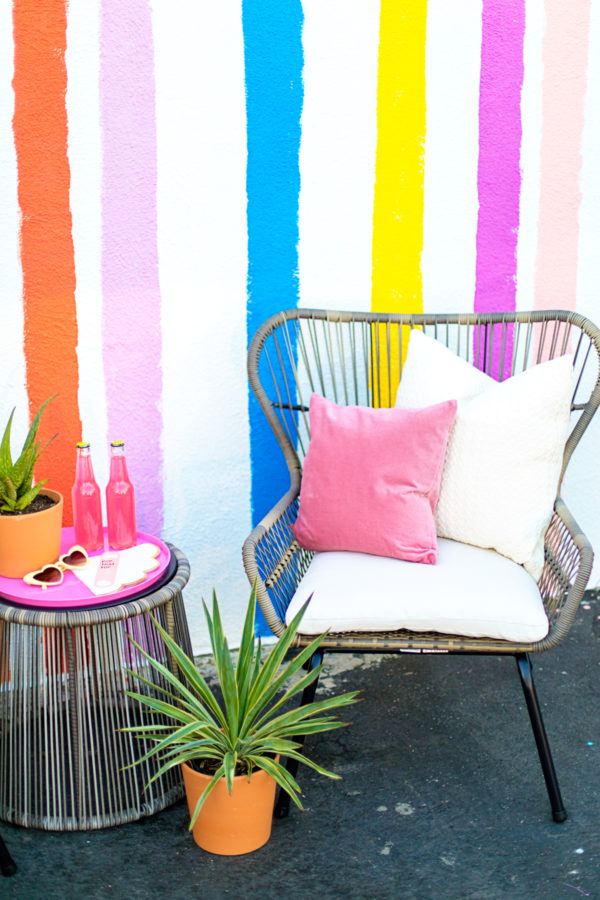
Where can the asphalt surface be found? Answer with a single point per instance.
(442, 797)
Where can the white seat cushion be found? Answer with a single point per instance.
(471, 592)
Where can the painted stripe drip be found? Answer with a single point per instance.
(47, 259)
(531, 119)
(131, 296)
(564, 87)
(398, 207)
(273, 59)
(499, 177)
(399, 165)
(274, 96)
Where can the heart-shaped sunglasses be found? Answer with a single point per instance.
(53, 573)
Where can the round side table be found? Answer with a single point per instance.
(63, 756)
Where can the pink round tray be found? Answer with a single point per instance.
(72, 593)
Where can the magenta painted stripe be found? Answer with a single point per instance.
(131, 297)
(563, 93)
(498, 175)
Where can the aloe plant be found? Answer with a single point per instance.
(17, 490)
(249, 728)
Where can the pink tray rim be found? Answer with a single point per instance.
(72, 593)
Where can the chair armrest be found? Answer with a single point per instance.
(567, 567)
(274, 559)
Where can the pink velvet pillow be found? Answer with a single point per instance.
(371, 479)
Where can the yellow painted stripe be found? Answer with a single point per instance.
(399, 166)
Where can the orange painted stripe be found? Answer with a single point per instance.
(47, 257)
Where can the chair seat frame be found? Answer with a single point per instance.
(352, 357)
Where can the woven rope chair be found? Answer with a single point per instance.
(348, 357)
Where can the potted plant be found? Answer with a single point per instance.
(30, 514)
(229, 748)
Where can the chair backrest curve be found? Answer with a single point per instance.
(356, 358)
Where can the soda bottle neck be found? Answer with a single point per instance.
(118, 464)
(84, 469)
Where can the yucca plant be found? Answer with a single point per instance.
(249, 728)
(17, 490)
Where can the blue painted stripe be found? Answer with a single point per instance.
(273, 58)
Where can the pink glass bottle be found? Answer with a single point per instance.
(120, 501)
(87, 506)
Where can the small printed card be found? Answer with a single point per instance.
(115, 570)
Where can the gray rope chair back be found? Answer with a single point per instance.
(356, 358)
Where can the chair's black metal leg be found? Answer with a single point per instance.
(282, 806)
(559, 812)
(7, 865)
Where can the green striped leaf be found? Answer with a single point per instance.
(252, 726)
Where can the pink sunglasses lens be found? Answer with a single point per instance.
(49, 575)
(76, 558)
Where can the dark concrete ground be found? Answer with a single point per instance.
(442, 796)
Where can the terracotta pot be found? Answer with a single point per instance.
(236, 823)
(30, 541)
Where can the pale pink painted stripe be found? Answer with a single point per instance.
(564, 86)
(131, 297)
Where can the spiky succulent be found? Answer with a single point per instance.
(251, 727)
(17, 490)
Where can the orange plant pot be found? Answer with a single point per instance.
(236, 823)
(30, 541)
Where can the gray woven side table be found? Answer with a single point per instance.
(63, 703)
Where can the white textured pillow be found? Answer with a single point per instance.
(505, 451)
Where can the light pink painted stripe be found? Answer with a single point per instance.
(563, 92)
(131, 297)
(499, 174)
